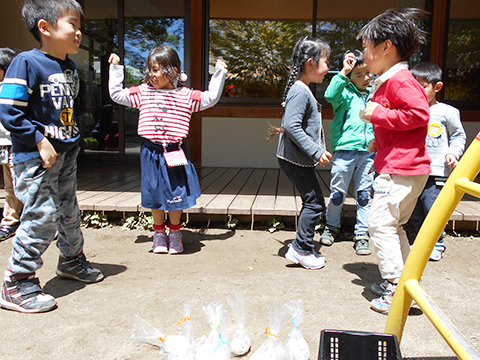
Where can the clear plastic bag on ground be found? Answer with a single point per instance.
(272, 348)
(180, 347)
(146, 333)
(240, 342)
(214, 345)
(295, 343)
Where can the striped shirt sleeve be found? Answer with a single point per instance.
(17, 87)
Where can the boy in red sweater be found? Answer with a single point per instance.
(399, 112)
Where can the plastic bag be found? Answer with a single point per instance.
(180, 347)
(214, 345)
(272, 348)
(295, 343)
(146, 333)
(240, 341)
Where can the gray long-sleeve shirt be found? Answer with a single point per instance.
(302, 142)
(445, 136)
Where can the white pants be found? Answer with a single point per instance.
(394, 199)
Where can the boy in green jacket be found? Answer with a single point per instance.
(348, 92)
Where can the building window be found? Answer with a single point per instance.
(462, 71)
(256, 52)
(256, 38)
(97, 120)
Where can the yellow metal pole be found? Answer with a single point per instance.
(428, 235)
(445, 327)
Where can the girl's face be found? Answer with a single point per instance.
(360, 77)
(319, 70)
(157, 78)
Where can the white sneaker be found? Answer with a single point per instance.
(310, 261)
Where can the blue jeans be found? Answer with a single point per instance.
(306, 182)
(49, 205)
(345, 165)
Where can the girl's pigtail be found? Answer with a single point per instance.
(304, 49)
(295, 69)
(277, 130)
(291, 80)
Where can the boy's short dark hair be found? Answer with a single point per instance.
(357, 57)
(399, 27)
(6, 57)
(427, 71)
(49, 10)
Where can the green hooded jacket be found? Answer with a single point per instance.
(348, 131)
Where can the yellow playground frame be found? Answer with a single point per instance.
(459, 183)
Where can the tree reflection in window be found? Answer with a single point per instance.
(142, 35)
(462, 74)
(256, 53)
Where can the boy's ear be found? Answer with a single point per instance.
(387, 46)
(438, 86)
(43, 27)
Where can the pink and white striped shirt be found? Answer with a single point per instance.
(164, 114)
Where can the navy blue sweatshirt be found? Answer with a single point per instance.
(36, 101)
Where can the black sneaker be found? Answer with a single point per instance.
(23, 293)
(78, 268)
(7, 231)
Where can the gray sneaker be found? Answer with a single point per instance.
(362, 246)
(384, 302)
(379, 288)
(78, 268)
(329, 235)
(22, 293)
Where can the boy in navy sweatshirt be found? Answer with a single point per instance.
(36, 106)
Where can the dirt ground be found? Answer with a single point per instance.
(95, 321)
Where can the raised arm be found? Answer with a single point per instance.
(215, 87)
(115, 82)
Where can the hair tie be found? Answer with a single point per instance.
(183, 77)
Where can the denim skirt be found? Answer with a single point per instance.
(163, 187)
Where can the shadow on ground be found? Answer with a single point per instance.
(58, 286)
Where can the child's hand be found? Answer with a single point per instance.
(348, 64)
(47, 153)
(452, 161)
(372, 146)
(366, 114)
(325, 158)
(220, 64)
(114, 59)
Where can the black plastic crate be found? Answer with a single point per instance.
(357, 345)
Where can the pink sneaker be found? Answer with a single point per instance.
(175, 242)
(160, 242)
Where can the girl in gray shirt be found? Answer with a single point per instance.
(301, 144)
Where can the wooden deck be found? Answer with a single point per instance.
(236, 191)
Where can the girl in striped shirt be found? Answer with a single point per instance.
(169, 180)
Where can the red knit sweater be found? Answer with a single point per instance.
(400, 125)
